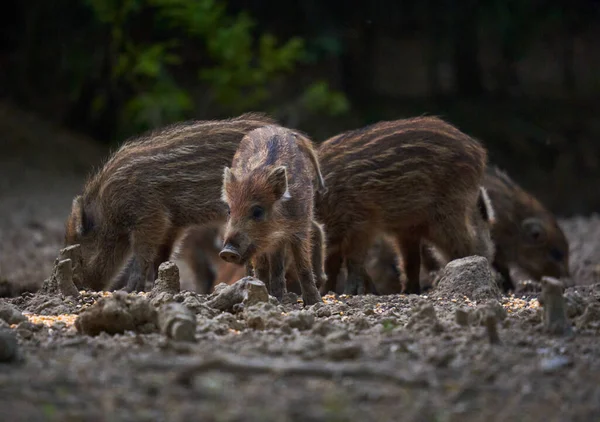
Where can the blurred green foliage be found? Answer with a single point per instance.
(239, 66)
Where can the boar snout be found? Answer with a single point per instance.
(230, 254)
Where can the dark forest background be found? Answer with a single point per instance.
(521, 75)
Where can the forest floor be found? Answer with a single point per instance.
(354, 358)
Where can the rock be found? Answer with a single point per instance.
(10, 313)
(324, 311)
(73, 253)
(424, 315)
(343, 351)
(554, 363)
(117, 314)
(177, 322)
(230, 320)
(590, 317)
(235, 294)
(256, 292)
(302, 320)
(262, 316)
(491, 327)
(554, 309)
(167, 281)
(337, 336)
(9, 346)
(470, 277)
(492, 307)
(256, 322)
(64, 278)
(61, 279)
(575, 303)
(323, 327)
(290, 298)
(160, 298)
(461, 317)
(26, 329)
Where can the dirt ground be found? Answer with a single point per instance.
(361, 358)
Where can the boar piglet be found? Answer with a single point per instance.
(269, 193)
(526, 234)
(415, 180)
(148, 192)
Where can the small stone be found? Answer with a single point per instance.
(230, 320)
(555, 363)
(590, 317)
(554, 310)
(471, 277)
(64, 279)
(10, 313)
(256, 292)
(491, 326)
(160, 298)
(290, 298)
(424, 315)
(324, 311)
(116, 314)
(73, 253)
(323, 327)
(177, 322)
(337, 337)
(302, 320)
(256, 322)
(344, 351)
(9, 346)
(461, 317)
(167, 281)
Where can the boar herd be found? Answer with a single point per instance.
(370, 208)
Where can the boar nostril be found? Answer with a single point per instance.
(229, 254)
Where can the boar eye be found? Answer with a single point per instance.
(227, 210)
(556, 255)
(258, 213)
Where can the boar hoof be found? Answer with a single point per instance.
(310, 298)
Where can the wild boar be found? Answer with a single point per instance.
(148, 192)
(417, 180)
(270, 196)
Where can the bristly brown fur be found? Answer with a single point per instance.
(526, 234)
(415, 179)
(148, 191)
(272, 172)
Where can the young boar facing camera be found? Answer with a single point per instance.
(269, 193)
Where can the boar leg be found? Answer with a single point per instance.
(410, 248)
(318, 254)
(301, 251)
(261, 270)
(151, 243)
(507, 282)
(203, 269)
(277, 285)
(333, 265)
(357, 277)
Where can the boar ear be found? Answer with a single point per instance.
(83, 221)
(278, 180)
(228, 178)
